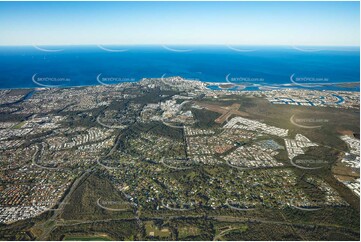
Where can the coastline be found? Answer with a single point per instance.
(209, 85)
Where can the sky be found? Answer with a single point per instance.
(180, 23)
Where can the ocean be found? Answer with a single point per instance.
(244, 67)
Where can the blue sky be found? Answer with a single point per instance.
(183, 23)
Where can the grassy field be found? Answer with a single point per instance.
(153, 231)
(186, 231)
(107, 230)
(19, 125)
(89, 192)
(87, 238)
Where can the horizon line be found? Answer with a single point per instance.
(115, 44)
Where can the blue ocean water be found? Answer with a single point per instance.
(251, 66)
